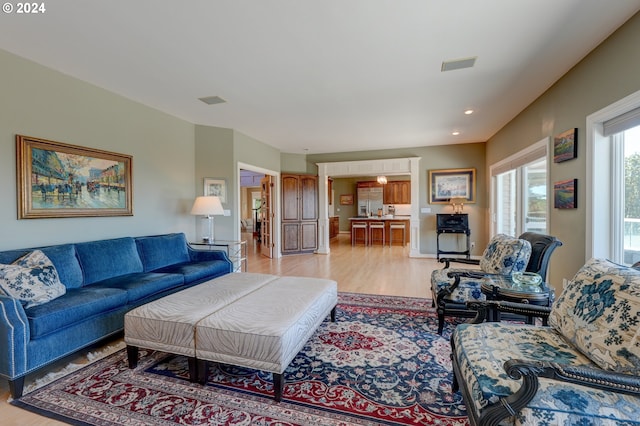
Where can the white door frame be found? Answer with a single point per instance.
(388, 167)
(275, 197)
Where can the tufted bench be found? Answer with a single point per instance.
(249, 320)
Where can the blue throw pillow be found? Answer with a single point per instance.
(32, 279)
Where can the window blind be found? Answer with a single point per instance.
(622, 122)
(536, 154)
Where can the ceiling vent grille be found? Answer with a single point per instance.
(212, 100)
(458, 64)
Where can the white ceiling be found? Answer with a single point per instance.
(326, 75)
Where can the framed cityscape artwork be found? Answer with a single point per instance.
(61, 180)
(452, 183)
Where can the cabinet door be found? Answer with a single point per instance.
(403, 192)
(309, 197)
(290, 198)
(290, 237)
(309, 235)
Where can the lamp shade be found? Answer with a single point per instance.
(207, 206)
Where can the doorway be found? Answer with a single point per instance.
(259, 207)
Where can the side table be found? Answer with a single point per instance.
(502, 287)
(236, 250)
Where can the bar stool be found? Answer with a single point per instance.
(355, 226)
(397, 226)
(377, 226)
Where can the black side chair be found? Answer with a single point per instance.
(445, 281)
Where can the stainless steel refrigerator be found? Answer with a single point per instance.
(369, 201)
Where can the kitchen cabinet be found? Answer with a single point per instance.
(397, 192)
(334, 226)
(299, 213)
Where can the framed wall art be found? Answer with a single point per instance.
(452, 183)
(565, 146)
(217, 187)
(346, 199)
(565, 194)
(56, 179)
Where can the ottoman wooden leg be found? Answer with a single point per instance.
(193, 369)
(333, 314)
(278, 386)
(132, 356)
(202, 371)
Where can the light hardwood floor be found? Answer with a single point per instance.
(357, 269)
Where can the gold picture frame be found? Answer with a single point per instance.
(56, 180)
(446, 184)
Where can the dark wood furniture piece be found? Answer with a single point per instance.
(334, 226)
(452, 224)
(299, 213)
(502, 288)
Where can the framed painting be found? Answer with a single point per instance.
(452, 183)
(565, 194)
(216, 187)
(346, 199)
(56, 179)
(565, 146)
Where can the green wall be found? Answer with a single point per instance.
(39, 102)
(609, 73)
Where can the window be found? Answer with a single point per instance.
(519, 192)
(613, 181)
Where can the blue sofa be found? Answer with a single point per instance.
(104, 279)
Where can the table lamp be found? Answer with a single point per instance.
(208, 206)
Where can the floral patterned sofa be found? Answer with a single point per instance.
(581, 369)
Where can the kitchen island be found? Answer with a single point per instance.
(387, 220)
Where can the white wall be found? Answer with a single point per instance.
(39, 102)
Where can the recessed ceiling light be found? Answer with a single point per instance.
(455, 133)
(468, 111)
(212, 100)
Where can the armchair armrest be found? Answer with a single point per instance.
(448, 260)
(530, 372)
(530, 311)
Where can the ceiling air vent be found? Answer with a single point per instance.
(458, 64)
(212, 100)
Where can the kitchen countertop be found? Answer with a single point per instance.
(396, 217)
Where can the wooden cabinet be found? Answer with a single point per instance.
(334, 226)
(397, 192)
(299, 213)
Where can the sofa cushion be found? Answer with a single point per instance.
(63, 258)
(32, 279)
(162, 250)
(197, 271)
(76, 305)
(104, 259)
(505, 255)
(142, 285)
(599, 313)
(482, 350)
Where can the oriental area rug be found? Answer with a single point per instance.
(380, 363)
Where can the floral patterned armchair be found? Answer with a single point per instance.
(582, 369)
(452, 288)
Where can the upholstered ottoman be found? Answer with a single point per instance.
(168, 324)
(250, 320)
(267, 328)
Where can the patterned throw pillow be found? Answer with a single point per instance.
(599, 313)
(505, 255)
(32, 279)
